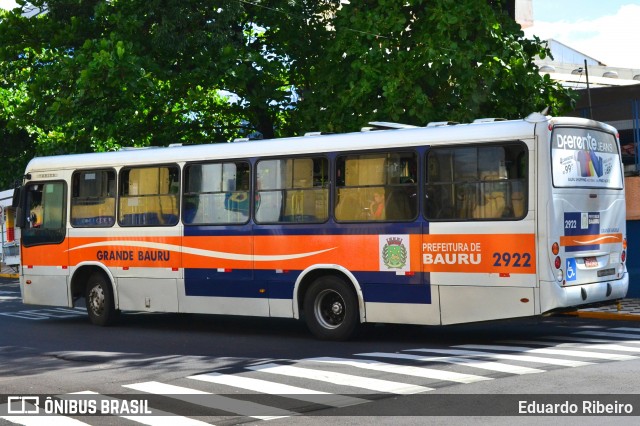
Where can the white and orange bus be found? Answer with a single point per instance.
(440, 224)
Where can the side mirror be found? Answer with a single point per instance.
(17, 202)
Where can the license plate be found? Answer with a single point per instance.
(606, 272)
(590, 262)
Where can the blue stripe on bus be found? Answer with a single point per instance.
(212, 283)
(383, 287)
(328, 228)
(387, 287)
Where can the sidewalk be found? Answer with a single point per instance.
(626, 309)
(7, 272)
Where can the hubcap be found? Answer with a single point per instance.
(96, 300)
(329, 309)
(337, 308)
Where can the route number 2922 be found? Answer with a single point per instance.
(516, 260)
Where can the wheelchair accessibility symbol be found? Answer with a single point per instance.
(572, 271)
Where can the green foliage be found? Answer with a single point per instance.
(419, 61)
(95, 75)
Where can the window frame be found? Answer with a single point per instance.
(183, 193)
(415, 153)
(478, 182)
(25, 238)
(120, 196)
(617, 160)
(115, 197)
(257, 199)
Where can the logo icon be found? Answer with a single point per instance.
(571, 270)
(23, 405)
(394, 253)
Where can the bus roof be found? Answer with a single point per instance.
(364, 140)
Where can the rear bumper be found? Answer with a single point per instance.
(554, 296)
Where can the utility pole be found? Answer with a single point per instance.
(586, 71)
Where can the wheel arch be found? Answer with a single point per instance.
(309, 275)
(81, 276)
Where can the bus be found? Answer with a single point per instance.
(9, 253)
(434, 225)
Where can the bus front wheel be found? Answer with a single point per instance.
(99, 298)
(331, 309)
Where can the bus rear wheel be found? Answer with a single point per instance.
(99, 298)
(331, 309)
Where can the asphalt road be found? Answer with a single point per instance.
(232, 370)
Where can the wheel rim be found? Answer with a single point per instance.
(96, 300)
(330, 309)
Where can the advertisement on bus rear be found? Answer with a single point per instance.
(586, 158)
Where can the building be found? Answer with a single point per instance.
(609, 94)
(10, 250)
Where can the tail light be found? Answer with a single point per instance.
(555, 249)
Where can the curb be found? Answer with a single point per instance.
(606, 315)
(14, 276)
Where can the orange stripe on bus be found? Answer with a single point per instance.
(480, 253)
(585, 240)
(468, 253)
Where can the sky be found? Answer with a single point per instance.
(606, 30)
(7, 4)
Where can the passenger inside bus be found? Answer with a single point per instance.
(376, 207)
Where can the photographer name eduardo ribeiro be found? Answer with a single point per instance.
(587, 407)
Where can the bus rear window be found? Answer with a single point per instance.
(585, 158)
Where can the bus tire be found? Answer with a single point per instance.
(331, 308)
(99, 299)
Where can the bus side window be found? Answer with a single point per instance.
(377, 187)
(93, 201)
(149, 196)
(216, 193)
(292, 190)
(477, 182)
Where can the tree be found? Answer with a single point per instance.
(419, 61)
(94, 75)
(102, 74)
(16, 145)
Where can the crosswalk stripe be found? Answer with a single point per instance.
(579, 352)
(273, 388)
(631, 329)
(9, 297)
(159, 417)
(377, 385)
(537, 343)
(496, 366)
(609, 334)
(206, 399)
(575, 342)
(526, 358)
(428, 373)
(569, 338)
(484, 365)
(25, 315)
(35, 420)
(615, 347)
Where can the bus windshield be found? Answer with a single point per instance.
(585, 158)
